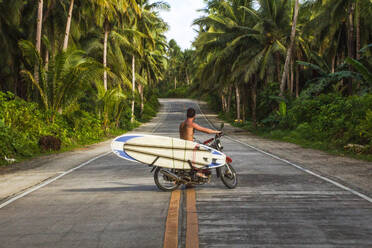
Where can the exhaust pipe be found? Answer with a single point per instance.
(174, 176)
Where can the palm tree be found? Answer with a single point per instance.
(148, 26)
(228, 39)
(38, 35)
(290, 48)
(68, 25)
(10, 26)
(108, 11)
(65, 79)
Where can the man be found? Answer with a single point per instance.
(187, 130)
(187, 127)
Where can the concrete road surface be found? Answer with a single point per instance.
(110, 202)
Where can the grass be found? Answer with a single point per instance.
(292, 136)
(65, 148)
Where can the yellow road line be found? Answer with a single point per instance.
(171, 226)
(192, 229)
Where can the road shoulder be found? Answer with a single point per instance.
(22, 176)
(356, 174)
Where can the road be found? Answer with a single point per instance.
(110, 202)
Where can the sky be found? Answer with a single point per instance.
(180, 18)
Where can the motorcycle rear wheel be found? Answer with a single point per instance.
(163, 182)
(228, 176)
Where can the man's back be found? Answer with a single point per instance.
(187, 130)
(187, 127)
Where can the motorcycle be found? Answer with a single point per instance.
(171, 179)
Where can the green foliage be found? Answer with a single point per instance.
(150, 109)
(362, 69)
(365, 128)
(268, 100)
(16, 117)
(23, 123)
(181, 92)
(65, 78)
(332, 118)
(282, 112)
(87, 127)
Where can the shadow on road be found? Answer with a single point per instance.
(138, 188)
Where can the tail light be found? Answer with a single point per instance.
(228, 159)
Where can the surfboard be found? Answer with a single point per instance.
(166, 152)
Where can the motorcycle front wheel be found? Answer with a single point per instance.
(228, 176)
(163, 181)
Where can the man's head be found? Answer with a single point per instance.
(190, 113)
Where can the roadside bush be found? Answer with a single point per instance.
(26, 129)
(13, 144)
(330, 118)
(150, 109)
(180, 92)
(85, 126)
(266, 102)
(22, 124)
(365, 128)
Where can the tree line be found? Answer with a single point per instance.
(263, 61)
(77, 70)
(54, 52)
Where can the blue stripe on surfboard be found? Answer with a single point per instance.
(216, 152)
(124, 155)
(125, 138)
(214, 165)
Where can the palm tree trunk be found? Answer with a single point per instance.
(140, 91)
(38, 36)
(292, 78)
(105, 54)
(223, 102)
(244, 101)
(288, 79)
(228, 107)
(68, 25)
(187, 78)
(46, 60)
(277, 60)
(254, 101)
(133, 85)
(289, 50)
(297, 81)
(243, 111)
(333, 63)
(237, 96)
(357, 24)
(350, 44)
(175, 82)
(350, 48)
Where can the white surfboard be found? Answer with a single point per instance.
(166, 152)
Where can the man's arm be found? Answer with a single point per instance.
(204, 129)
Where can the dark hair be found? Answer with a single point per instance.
(190, 113)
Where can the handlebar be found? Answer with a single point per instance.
(218, 135)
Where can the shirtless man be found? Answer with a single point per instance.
(187, 127)
(187, 131)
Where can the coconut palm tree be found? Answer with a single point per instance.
(108, 11)
(290, 48)
(68, 26)
(67, 75)
(39, 24)
(10, 26)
